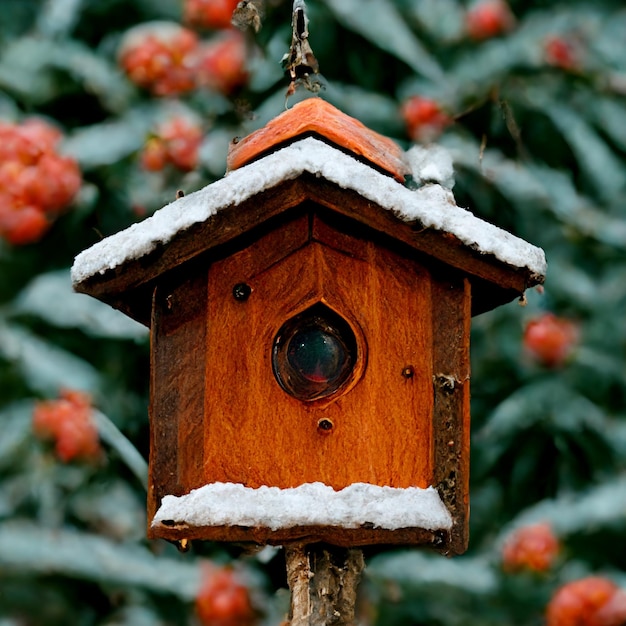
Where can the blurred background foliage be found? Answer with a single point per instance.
(529, 97)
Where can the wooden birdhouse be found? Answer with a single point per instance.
(310, 319)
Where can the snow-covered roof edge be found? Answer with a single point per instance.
(432, 206)
(310, 504)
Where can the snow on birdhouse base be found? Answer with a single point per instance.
(360, 505)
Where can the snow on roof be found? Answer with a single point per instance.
(311, 504)
(432, 206)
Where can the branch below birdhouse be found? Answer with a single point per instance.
(323, 581)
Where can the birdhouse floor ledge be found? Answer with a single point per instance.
(310, 504)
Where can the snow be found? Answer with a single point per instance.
(431, 206)
(310, 504)
(431, 164)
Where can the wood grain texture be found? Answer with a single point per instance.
(176, 389)
(345, 537)
(323, 581)
(256, 434)
(315, 116)
(451, 415)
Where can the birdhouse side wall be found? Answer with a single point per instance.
(451, 300)
(178, 354)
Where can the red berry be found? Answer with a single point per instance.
(224, 600)
(561, 52)
(53, 183)
(425, 120)
(45, 136)
(182, 138)
(222, 63)
(613, 613)
(154, 155)
(68, 421)
(489, 18)
(532, 547)
(582, 603)
(176, 141)
(550, 339)
(17, 146)
(209, 13)
(161, 57)
(21, 225)
(34, 179)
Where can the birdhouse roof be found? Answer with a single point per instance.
(358, 176)
(316, 117)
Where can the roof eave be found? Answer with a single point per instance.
(129, 285)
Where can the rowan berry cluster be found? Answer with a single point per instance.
(534, 548)
(160, 57)
(550, 340)
(214, 14)
(222, 63)
(175, 142)
(424, 118)
(224, 600)
(36, 182)
(68, 422)
(489, 18)
(168, 59)
(591, 601)
(485, 19)
(562, 52)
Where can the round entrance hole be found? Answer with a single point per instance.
(314, 354)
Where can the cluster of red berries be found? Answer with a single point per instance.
(591, 601)
(489, 18)
(168, 59)
(424, 118)
(223, 599)
(561, 52)
(175, 142)
(550, 340)
(209, 13)
(222, 63)
(36, 182)
(69, 423)
(534, 547)
(160, 57)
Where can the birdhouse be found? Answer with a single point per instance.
(310, 320)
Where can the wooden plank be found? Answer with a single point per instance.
(176, 389)
(451, 302)
(345, 537)
(256, 434)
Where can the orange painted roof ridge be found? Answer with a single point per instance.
(316, 116)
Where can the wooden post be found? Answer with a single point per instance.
(323, 580)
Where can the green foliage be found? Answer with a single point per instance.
(539, 150)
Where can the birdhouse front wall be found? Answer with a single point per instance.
(257, 434)
(219, 413)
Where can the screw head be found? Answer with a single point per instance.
(408, 372)
(325, 424)
(241, 292)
